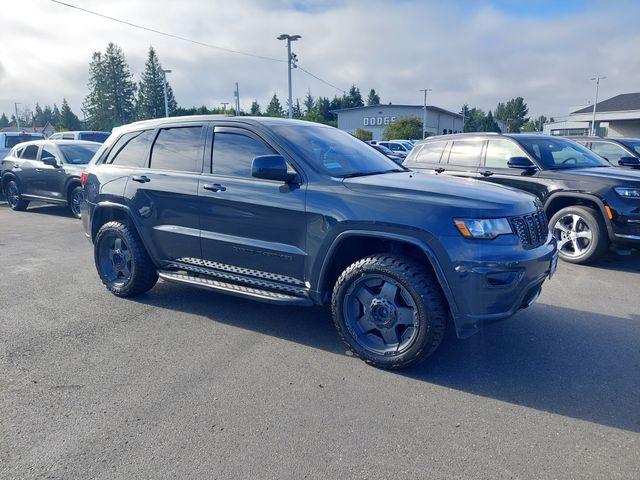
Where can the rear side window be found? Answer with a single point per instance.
(178, 148)
(500, 151)
(233, 153)
(30, 152)
(99, 137)
(465, 153)
(430, 152)
(68, 136)
(131, 149)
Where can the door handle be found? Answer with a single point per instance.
(38, 170)
(141, 179)
(439, 170)
(486, 173)
(215, 187)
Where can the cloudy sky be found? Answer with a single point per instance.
(475, 52)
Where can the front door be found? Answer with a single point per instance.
(53, 178)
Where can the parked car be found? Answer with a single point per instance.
(298, 213)
(398, 148)
(590, 204)
(396, 158)
(623, 152)
(47, 171)
(99, 137)
(8, 140)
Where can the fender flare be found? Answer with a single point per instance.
(584, 196)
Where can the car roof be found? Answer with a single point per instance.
(83, 131)
(58, 142)
(486, 135)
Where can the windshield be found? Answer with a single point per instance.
(335, 152)
(78, 154)
(99, 137)
(633, 145)
(557, 153)
(12, 140)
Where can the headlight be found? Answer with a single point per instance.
(486, 228)
(628, 192)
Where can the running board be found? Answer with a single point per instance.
(233, 289)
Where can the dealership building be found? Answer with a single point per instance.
(375, 118)
(618, 116)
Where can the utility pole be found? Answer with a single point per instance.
(236, 94)
(15, 104)
(291, 59)
(595, 105)
(424, 112)
(164, 84)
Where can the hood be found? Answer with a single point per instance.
(466, 196)
(617, 175)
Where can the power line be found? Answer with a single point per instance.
(196, 42)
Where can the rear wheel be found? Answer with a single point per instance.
(581, 234)
(389, 310)
(14, 197)
(75, 198)
(123, 263)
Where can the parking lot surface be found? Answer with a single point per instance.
(183, 383)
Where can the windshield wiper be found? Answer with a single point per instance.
(365, 174)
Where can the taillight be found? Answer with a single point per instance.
(83, 178)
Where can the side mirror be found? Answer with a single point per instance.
(522, 163)
(629, 162)
(272, 167)
(51, 161)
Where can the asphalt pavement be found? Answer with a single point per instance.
(184, 383)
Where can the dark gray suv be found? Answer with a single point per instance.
(298, 213)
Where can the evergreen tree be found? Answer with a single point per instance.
(373, 98)
(335, 104)
(55, 115)
(38, 116)
(120, 88)
(95, 104)
(352, 98)
(296, 111)
(323, 107)
(309, 102)
(255, 108)
(4, 121)
(68, 120)
(47, 115)
(275, 108)
(489, 124)
(150, 101)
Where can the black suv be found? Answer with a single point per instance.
(299, 213)
(623, 152)
(589, 202)
(47, 171)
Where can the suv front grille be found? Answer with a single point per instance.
(532, 230)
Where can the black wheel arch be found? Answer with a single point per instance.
(557, 201)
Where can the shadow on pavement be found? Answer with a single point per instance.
(628, 262)
(45, 209)
(577, 364)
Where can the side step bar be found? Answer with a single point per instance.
(233, 289)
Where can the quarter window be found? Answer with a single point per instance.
(233, 153)
(178, 148)
(500, 151)
(465, 153)
(30, 152)
(131, 149)
(610, 151)
(430, 152)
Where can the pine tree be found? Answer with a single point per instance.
(309, 102)
(55, 115)
(119, 86)
(68, 120)
(353, 98)
(275, 108)
(296, 111)
(150, 101)
(323, 107)
(373, 98)
(39, 116)
(255, 108)
(95, 104)
(4, 121)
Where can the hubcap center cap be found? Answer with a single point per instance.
(383, 312)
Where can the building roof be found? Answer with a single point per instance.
(393, 105)
(619, 103)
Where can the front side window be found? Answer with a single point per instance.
(558, 153)
(30, 152)
(233, 153)
(430, 152)
(131, 149)
(178, 148)
(610, 151)
(465, 153)
(47, 153)
(633, 145)
(500, 151)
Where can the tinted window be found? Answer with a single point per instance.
(30, 152)
(610, 151)
(78, 154)
(47, 153)
(633, 145)
(430, 152)
(233, 153)
(465, 153)
(178, 148)
(555, 153)
(68, 136)
(99, 137)
(131, 149)
(500, 151)
(333, 151)
(11, 141)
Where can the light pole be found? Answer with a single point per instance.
(291, 59)
(15, 104)
(424, 112)
(595, 104)
(236, 93)
(164, 84)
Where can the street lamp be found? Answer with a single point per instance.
(15, 104)
(291, 59)
(164, 84)
(424, 112)
(595, 105)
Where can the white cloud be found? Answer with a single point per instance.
(467, 52)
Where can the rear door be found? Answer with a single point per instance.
(256, 225)
(427, 156)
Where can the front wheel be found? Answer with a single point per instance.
(581, 234)
(389, 310)
(14, 197)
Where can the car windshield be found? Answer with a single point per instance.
(633, 145)
(78, 154)
(559, 153)
(99, 137)
(12, 140)
(335, 152)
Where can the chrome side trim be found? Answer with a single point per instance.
(628, 237)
